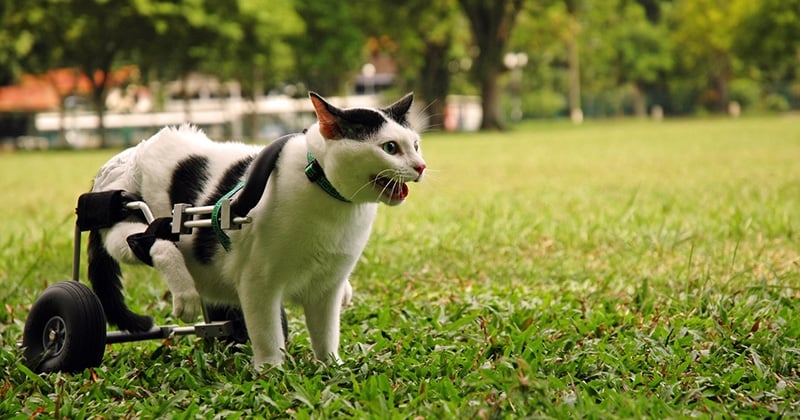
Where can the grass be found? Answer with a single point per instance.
(616, 269)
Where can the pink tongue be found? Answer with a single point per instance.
(402, 192)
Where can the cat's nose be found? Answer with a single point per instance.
(420, 169)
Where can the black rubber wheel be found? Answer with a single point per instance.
(65, 329)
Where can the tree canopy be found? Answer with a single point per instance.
(597, 57)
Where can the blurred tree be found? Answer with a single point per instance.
(539, 34)
(230, 39)
(641, 49)
(170, 37)
(704, 31)
(261, 58)
(437, 29)
(602, 56)
(421, 35)
(34, 50)
(572, 33)
(83, 34)
(330, 50)
(183, 37)
(98, 32)
(491, 22)
(258, 54)
(16, 40)
(768, 38)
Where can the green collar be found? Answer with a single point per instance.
(316, 175)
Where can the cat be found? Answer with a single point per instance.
(311, 220)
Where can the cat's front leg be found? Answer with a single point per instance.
(262, 315)
(168, 260)
(164, 256)
(347, 294)
(322, 320)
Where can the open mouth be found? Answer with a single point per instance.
(391, 190)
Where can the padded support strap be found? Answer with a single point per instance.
(140, 243)
(258, 176)
(98, 210)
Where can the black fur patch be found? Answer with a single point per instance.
(104, 274)
(205, 242)
(360, 124)
(189, 180)
(401, 119)
(261, 168)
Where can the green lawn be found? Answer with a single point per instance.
(616, 269)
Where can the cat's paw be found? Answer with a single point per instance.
(347, 294)
(186, 306)
(334, 359)
(265, 363)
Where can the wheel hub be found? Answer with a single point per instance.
(54, 335)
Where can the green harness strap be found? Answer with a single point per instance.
(314, 173)
(223, 237)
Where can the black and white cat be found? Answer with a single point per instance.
(310, 220)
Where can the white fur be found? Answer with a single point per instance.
(301, 246)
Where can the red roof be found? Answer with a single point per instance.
(41, 93)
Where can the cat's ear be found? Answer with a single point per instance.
(398, 110)
(328, 116)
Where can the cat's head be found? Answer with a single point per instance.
(367, 154)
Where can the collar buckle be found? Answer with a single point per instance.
(314, 171)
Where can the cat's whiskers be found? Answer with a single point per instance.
(393, 181)
(428, 120)
(428, 106)
(431, 180)
(371, 182)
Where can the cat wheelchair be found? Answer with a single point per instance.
(66, 327)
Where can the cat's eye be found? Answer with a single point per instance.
(416, 146)
(390, 147)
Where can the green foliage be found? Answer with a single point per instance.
(746, 92)
(769, 38)
(625, 269)
(776, 103)
(704, 30)
(219, 38)
(626, 54)
(330, 51)
(643, 48)
(13, 44)
(544, 104)
(262, 57)
(427, 40)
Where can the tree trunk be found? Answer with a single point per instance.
(573, 67)
(61, 137)
(724, 75)
(724, 93)
(435, 82)
(490, 105)
(98, 98)
(639, 101)
(99, 72)
(491, 22)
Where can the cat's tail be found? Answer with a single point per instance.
(105, 275)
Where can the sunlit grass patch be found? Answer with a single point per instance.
(621, 268)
